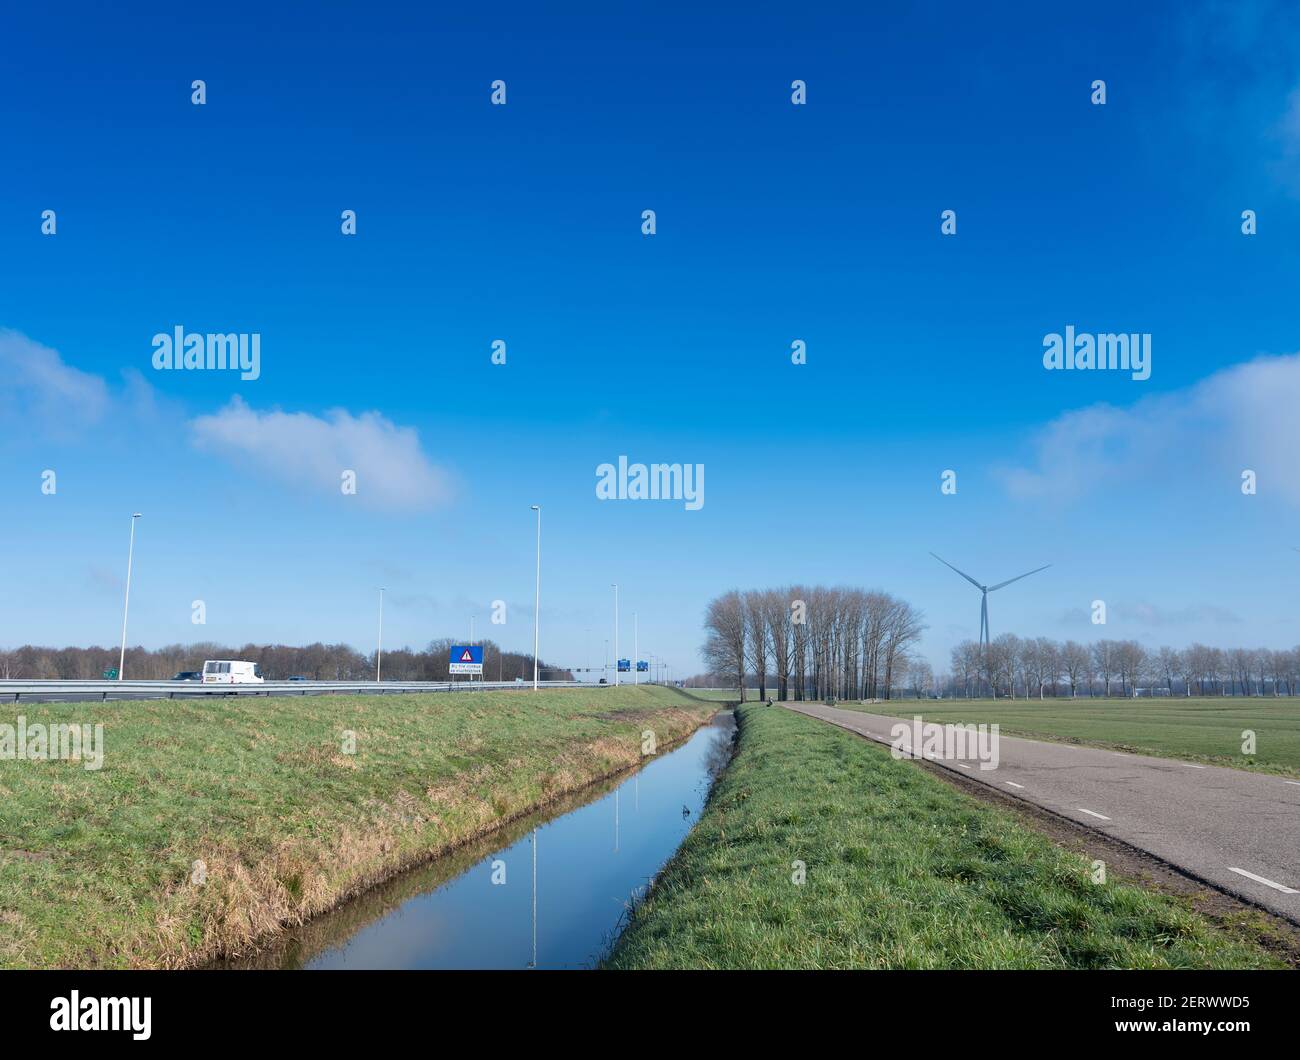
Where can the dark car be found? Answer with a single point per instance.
(297, 677)
(188, 675)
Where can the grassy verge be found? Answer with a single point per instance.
(902, 870)
(101, 868)
(1199, 730)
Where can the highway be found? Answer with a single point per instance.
(99, 691)
(1237, 831)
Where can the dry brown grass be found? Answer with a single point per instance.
(299, 827)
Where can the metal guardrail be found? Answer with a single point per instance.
(83, 691)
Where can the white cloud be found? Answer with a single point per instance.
(41, 392)
(1235, 65)
(392, 470)
(1143, 613)
(1201, 437)
(1149, 614)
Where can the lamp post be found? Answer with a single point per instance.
(379, 653)
(636, 651)
(126, 603)
(537, 592)
(615, 584)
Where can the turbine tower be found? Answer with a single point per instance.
(985, 590)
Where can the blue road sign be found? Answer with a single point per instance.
(466, 659)
(642, 666)
(624, 666)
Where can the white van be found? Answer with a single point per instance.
(226, 672)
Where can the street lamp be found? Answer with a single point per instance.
(636, 651)
(126, 604)
(615, 585)
(537, 591)
(379, 654)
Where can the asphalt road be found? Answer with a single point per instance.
(1235, 830)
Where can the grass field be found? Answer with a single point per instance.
(903, 871)
(98, 868)
(1201, 730)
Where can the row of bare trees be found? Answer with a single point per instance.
(318, 662)
(811, 642)
(1039, 667)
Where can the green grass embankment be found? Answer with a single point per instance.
(901, 871)
(212, 824)
(1209, 730)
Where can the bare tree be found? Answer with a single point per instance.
(1003, 658)
(1074, 661)
(1169, 664)
(966, 664)
(1104, 662)
(1130, 660)
(778, 613)
(756, 641)
(724, 646)
(823, 642)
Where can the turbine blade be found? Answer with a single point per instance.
(962, 573)
(1018, 577)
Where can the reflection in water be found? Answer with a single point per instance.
(451, 913)
(533, 963)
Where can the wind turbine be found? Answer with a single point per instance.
(985, 590)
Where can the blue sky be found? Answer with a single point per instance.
(523, 223)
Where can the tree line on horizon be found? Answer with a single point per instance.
(811, 642)
(316, 662)
(1040, 666)
(1029, 667)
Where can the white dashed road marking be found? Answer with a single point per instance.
(1013, 784)
(1267, 883)
(1092, 813)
